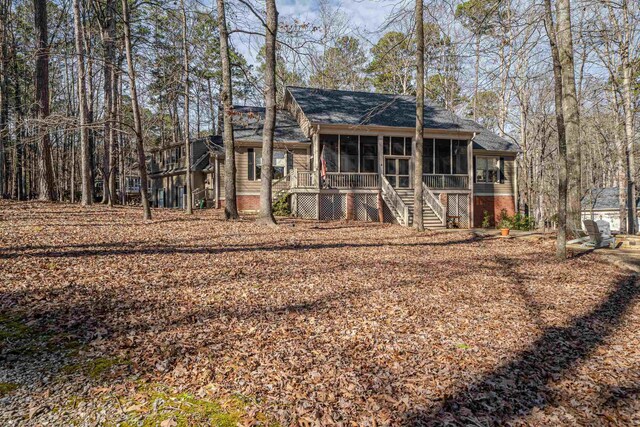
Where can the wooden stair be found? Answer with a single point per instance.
(430, 220)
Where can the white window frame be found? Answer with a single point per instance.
(257, 153)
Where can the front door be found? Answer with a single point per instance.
(396, 170)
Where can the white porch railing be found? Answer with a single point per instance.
(305, 179)
(441, 181)
(432, 201)
(338, 180)
(352, 180)
(390, 194)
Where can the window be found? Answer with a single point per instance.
(258, 153)
(487, 169)
(279, 164)
(443, 156)
(368, 154)
(348, 153)
(460, 163)
(396, 146)
(254, 163)
(427, 156)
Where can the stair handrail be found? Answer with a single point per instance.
(395, 199)
(277, 189)
(432, 201)
(194, 196)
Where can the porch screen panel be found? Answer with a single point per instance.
(397, 146)
(427, 156)
(368, 154)
(330, 145)
(443, 156)
(460, 161)
(348, 153)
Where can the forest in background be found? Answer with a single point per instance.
(68, 90)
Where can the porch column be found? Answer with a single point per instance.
(380, 156)
(316, 158)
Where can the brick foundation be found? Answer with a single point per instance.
(248, 203)
(493, 205)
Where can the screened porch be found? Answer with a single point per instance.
(358, 161)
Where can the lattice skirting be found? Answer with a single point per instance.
(365, 207)
(333, 207)
(458, 205)
(305, 206)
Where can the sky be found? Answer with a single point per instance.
(368, 15)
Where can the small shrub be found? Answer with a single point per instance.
(516, 222)
(281, 206)
(486, 220)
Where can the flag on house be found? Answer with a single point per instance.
(323, 165)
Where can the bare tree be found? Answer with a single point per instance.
(271, 27)
(571, 114)
(561, 243)
(137, 122)
(107, 33)
(45, 163)
(187, 143)
(85, 153)
(418, 221)
(230, 206)
(4, 95)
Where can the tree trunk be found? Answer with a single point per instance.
(561, 243)
(113, 134)
(187, 143)
(4, 98)
(266, 174)
(476, 79)
(108, 36)
(137, 122)
(571, 115)
(628, 106)
(45, 165)
(230, 207)
(418, 220)
(85, 161)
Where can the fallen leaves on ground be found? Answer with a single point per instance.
(305, 324)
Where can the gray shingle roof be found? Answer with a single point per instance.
(248, 125)
(603, 199)
(325, 106)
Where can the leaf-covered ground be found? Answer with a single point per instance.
(106, 319)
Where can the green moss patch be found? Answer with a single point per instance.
(13, 329)
(95, 368)
(6, 388)
(161, 406)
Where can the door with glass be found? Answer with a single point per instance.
(396, 170)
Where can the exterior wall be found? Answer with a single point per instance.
(246, 187)
(493, 205)
(248, 203)
(502, 188)
(495, 197)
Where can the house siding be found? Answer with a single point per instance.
(507, 187)
(250, 187)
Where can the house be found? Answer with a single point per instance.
(604, 203)
(366, 142)
(167, 168)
